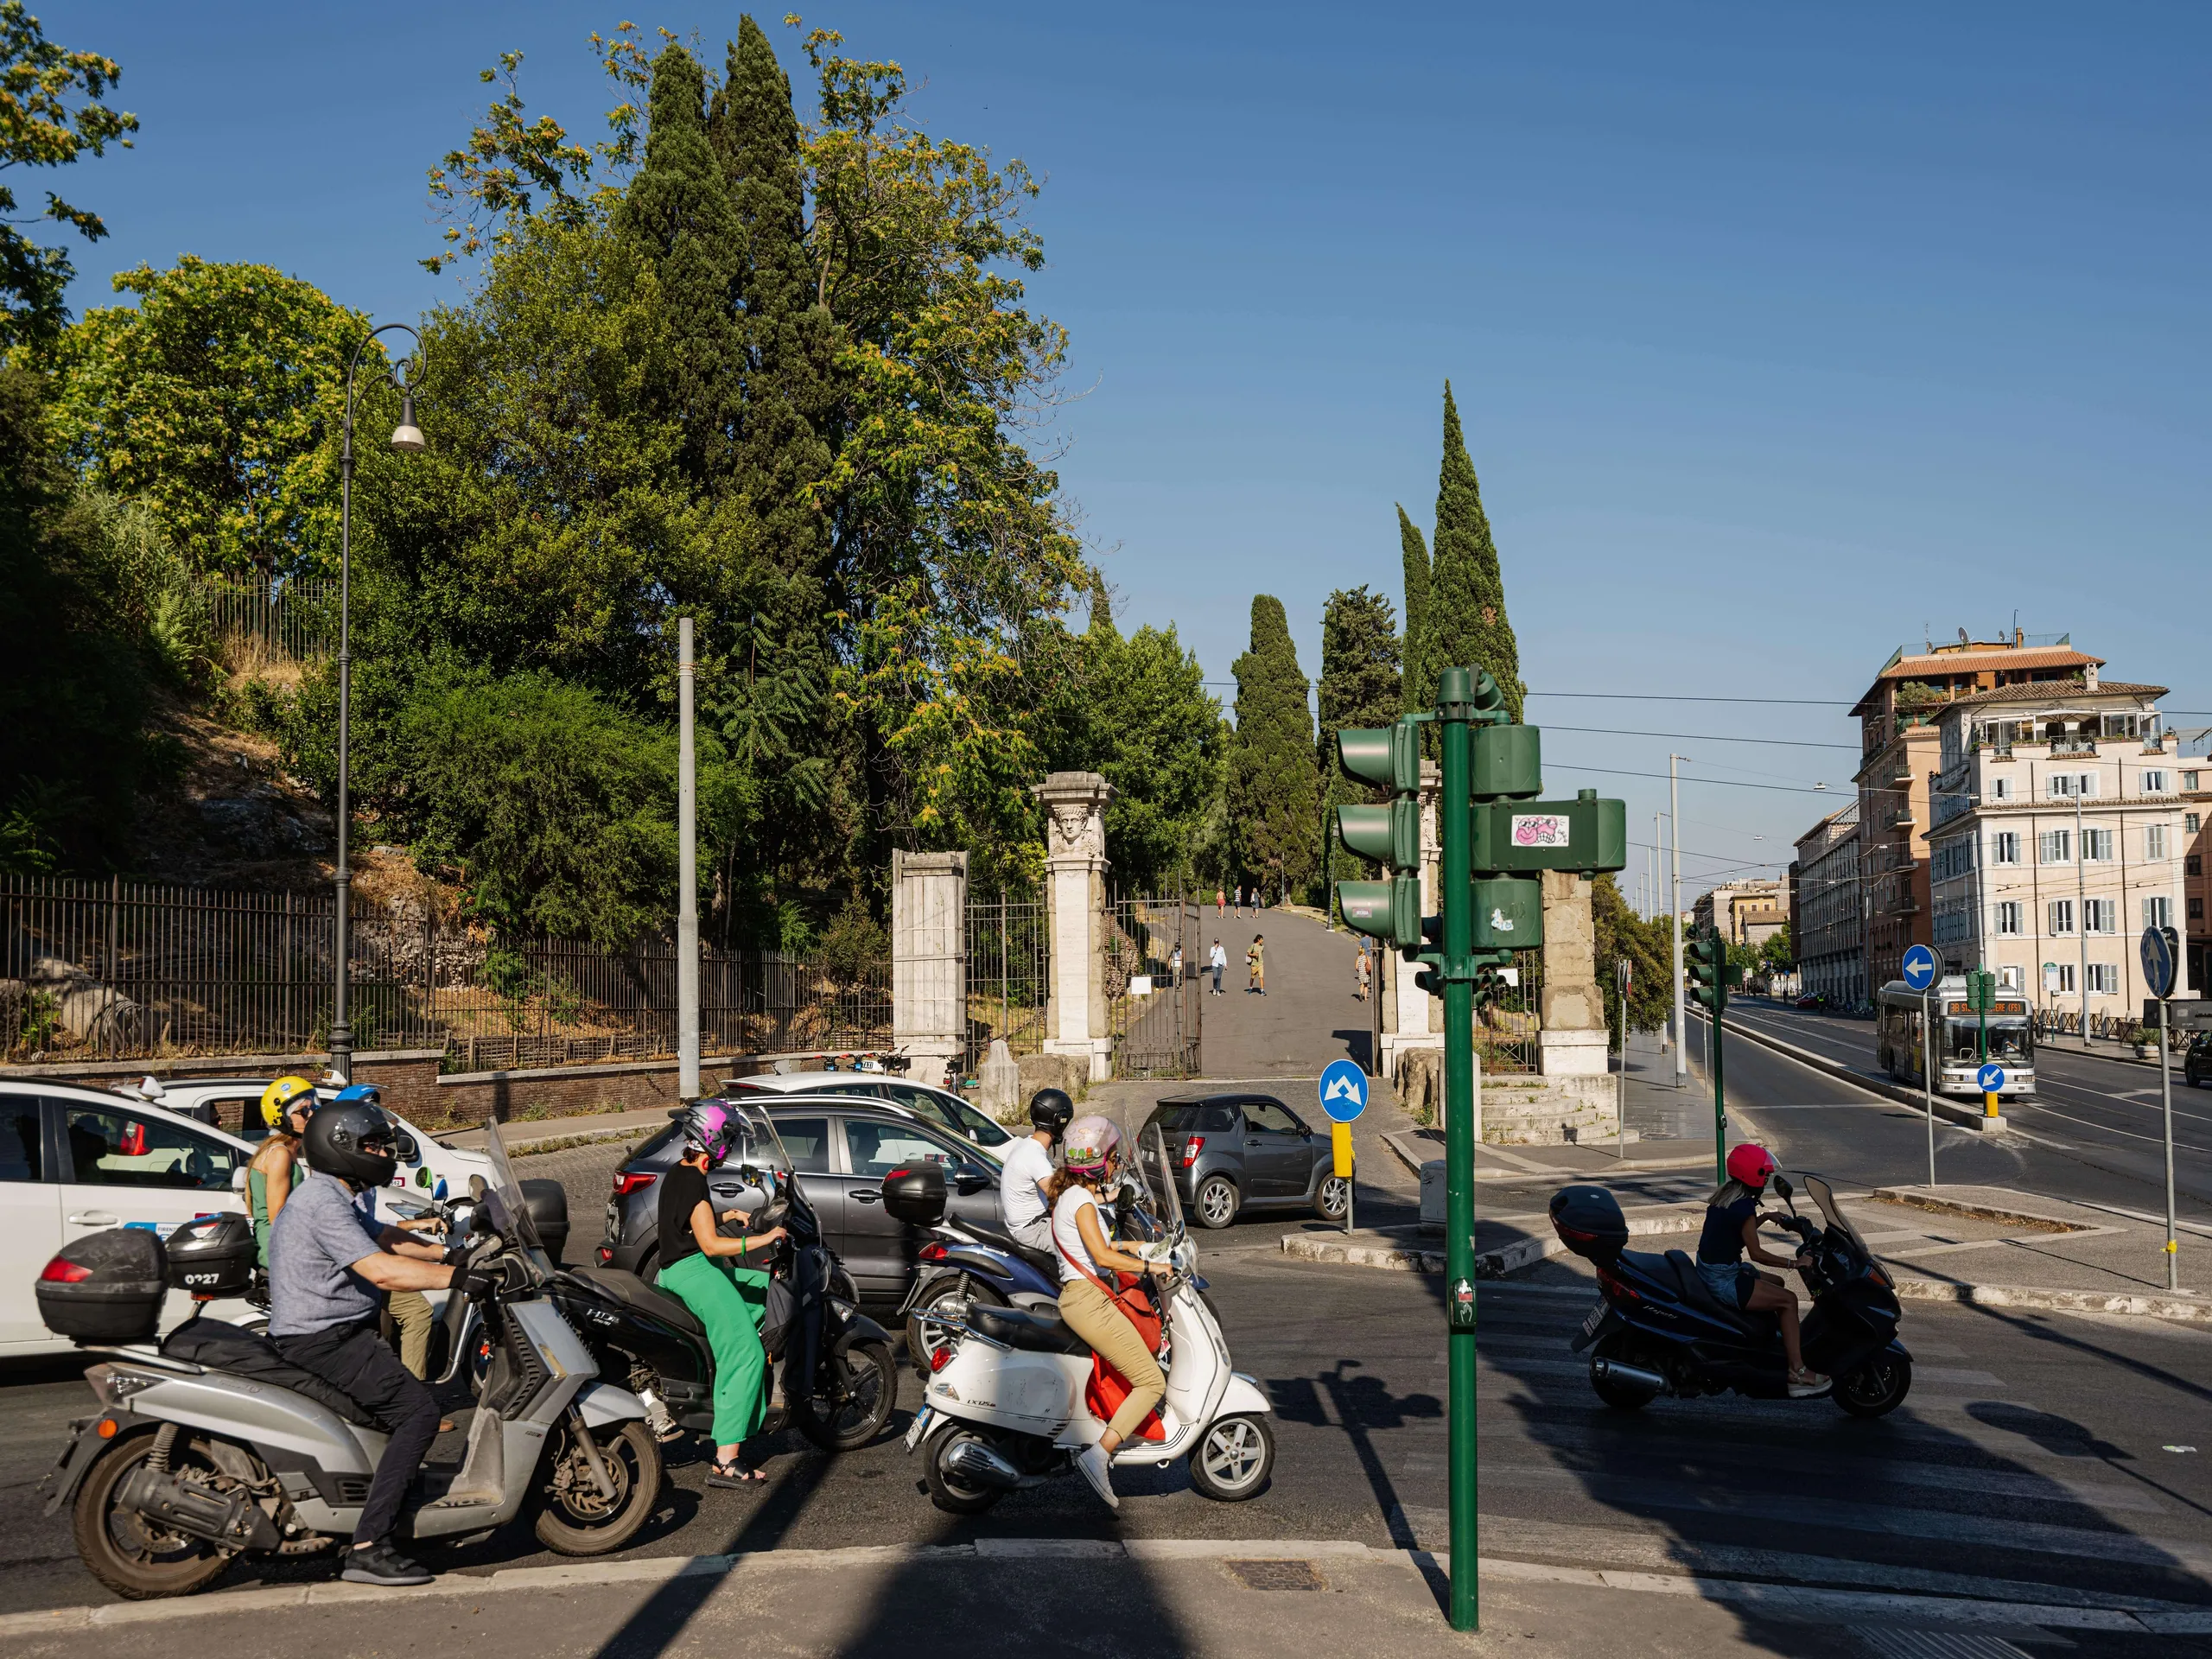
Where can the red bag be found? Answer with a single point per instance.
(1107, 1389)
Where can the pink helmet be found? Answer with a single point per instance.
(1091, 1141)
(1749, 1164)
(708, 1128)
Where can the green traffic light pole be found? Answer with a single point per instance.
(1719, 1090)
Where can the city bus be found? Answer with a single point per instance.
(1898, 1047)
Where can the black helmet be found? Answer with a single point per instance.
(1050, 1109)
(354, 1141)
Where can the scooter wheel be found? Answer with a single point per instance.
(947, 1491)
(1233, 1459)
(857, 1390)
(1876, 1387)
(138, 1558)
(574, 1517)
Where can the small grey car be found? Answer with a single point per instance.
(1231, 1151)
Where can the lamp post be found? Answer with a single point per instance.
(406, 437)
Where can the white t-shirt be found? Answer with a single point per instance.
(1022, 1189)
(1217, 957)
(1067, 1237)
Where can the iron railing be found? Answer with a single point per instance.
(293, 620)
(1009, 974)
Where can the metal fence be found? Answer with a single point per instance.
(1009, 974)
(293, 620)
(1506, 1030)
(1150, 948)
(119, 970)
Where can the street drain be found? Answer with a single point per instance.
(1890, 1643)
(1275, 1574)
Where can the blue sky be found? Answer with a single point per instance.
(1779, 334)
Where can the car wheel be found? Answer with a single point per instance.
(1332, 1198)
(1215, 1201)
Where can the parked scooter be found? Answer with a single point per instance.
(1012, 1396)
(1658, 1329)
(190, 1461)
(838, 1381)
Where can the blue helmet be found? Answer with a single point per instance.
(363, 1091)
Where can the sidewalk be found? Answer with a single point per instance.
(1257, 1599)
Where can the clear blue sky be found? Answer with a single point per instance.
(1778, 332)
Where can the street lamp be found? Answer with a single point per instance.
(407, 438)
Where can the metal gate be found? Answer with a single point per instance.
(1506, 1030)
(1149, 949)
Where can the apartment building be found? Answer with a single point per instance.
(1824, 911)
(1899, 752)
(2196, 869)
(2058, 832)
(1749, 912)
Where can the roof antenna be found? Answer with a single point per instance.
(2016, 625)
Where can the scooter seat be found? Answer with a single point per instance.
(636, 1294)
(1040, 1333)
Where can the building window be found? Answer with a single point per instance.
(2005, 847)
(2193, 865)
(2009, 978)
(2195, 909)
(2190, 824)
(2154, 840)
(2060, 785)
(2061, 918)
(2159, 913)
(2055, 847)
(2100, 916)
(2189, 781)
(2008, 917)
(2096, 846)
(2104, 979)
(2154, 783)
(2058, 977)
(2000, 789)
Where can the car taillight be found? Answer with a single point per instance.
(59, 1272)
(1192, 1148)
(931, 1253)
(1615, 1286)
(606, 1254)
(627, 1181)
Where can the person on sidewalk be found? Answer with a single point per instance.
(1731, 1230)
(1220, 904)
(1175, 968)
(1255, 966)
(1362, 970)
(700, 1268)
(1087, 1304)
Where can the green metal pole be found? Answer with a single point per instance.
(1455, 693)
(1719, 1092)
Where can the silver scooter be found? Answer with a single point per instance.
(185, 1467)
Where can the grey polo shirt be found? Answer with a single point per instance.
(322, 1231)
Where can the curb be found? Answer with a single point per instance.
(1647, 1222)
(1950, 1111)
(2133, 1304)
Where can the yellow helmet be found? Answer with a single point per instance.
(278, 1096)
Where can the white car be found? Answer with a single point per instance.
(938, 1106)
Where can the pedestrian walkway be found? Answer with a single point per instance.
(1310, 1014)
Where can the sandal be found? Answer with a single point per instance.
(735, 1474)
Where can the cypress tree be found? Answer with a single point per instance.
(1467, 624)
(678, 212)
(1361, 684)
(1274, 788)
(1419, 681)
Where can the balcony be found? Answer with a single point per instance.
(2060, 745)
(1902, 818)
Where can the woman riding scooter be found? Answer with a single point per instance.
(1087, 1305)
(1731, 1230)
(704, 1270)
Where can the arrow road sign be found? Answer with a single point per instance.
(1919, 968)
(2158, 960)
(1990, 1078)
(1343, 1091)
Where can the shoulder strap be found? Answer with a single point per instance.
(1078, 1266)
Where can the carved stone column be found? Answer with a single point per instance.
(1573, 1041)
(929, 960)
(1075, 890)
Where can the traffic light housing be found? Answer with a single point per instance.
(1389, 756)
(1705, 959)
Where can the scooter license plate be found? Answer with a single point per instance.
(1596, 1318)
(920, 1426)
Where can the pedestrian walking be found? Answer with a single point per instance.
(1220, 904)
(1239, 911)
(1362, 970)
(1256, 965)
(1218, 959)
(1175, 968)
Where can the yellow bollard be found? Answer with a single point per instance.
(1989, 1102)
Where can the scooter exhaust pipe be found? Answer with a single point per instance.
(973, 1460)
(1634, 1376)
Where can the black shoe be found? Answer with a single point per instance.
(379, 1563)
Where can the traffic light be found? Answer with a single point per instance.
(1389, 909)
(1710, 975)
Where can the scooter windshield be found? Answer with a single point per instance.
(1817, 1189)
(1154, 1175)
(510, 1215)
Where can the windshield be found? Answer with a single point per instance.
(972, 1123)
(510, 1215)
(1152, 1174)
(754, 1143)
(2008, 1040)
(1817, 1189)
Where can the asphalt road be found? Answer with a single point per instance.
(2029, 1460)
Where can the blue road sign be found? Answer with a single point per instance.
(1343, 1091)
(1990, 1078)
(1919, 968)
(2159, 955)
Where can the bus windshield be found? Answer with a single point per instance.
(2009, 1040)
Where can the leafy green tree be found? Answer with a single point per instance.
(1418, 671)
(217, 399)
(1274, 785)
(1777, 954)
(1361, 685)
(1647, 946)
(1467, 627)
(52, 110)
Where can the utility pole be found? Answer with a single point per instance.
(2082, 907)
(687, 885)
(1675, 912)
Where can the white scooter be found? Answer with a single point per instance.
(1008, 1404)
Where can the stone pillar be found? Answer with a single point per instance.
(1075, 890)
(929, 960)
(1411, 1017)
(1572, 1043)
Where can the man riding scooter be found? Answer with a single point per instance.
(1029, 1165)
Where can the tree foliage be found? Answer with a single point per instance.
(1274, 785)
(1647, 946)
(217, 399)
(1467, 627)
(1362, 685)
(1417, 671)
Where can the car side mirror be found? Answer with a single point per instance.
(969, 1179)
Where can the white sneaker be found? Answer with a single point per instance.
(1093, 1461)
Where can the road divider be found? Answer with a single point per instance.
(1967, 1117)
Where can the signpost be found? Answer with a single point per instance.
(1343, 1098)
(1919, 970)
(2161, 953)
(1623, 975)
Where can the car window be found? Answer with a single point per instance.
(957, 1113)
(1271, 1116)
(876, 1149)
(21, 1142)
(807, 1139)
(122, 1149)
(1179, 1119)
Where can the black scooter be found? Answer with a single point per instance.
(1659, 1329)
(839, 1382)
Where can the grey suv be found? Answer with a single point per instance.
(1233, 1152)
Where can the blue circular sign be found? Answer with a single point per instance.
(1343, 1091)
(1990, 1078)
(2158, 960)
(1919, 968)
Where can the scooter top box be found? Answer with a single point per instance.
(1588, 1221)
(914, 1193)
(214, 1256)
(105, 1288)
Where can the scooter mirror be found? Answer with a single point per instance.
(1781, 1185)
(476, 1188)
